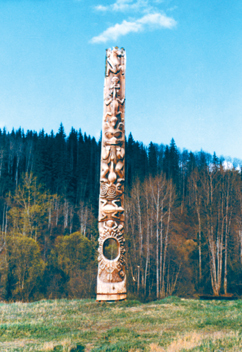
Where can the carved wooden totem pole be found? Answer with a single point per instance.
(111, 280)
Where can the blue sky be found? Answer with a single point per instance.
(184, 68)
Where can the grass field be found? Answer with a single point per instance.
(171, 325)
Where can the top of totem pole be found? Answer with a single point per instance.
(115, 61)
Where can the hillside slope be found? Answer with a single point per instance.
(171, 324)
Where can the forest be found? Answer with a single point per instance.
(183, 218)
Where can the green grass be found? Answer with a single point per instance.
(168, 325)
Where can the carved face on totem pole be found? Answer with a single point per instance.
(111, 281)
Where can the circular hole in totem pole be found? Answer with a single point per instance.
(110, 248)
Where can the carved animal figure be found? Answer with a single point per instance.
(114, 62)
(112, 164)
(120, 164)
(113, 131)
(111, 211)
(113, 99)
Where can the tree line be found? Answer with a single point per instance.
(183, 224)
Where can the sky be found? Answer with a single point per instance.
(183, 76)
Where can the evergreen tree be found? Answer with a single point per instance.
(152, 155)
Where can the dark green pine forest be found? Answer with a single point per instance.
(183, 225)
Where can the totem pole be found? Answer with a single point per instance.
(111, 279)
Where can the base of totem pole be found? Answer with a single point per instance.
(111, 291)
(111, 298)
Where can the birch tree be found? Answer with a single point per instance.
(214, 202)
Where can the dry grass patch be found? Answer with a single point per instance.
(155, 348)
(196, 339)
(48, 346)
(17, 343)
(187, 342)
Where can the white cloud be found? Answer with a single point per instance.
(153, 21)
(172, 8)
(158, 19)
(101, 8)
(124, 5)
(113, 33)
